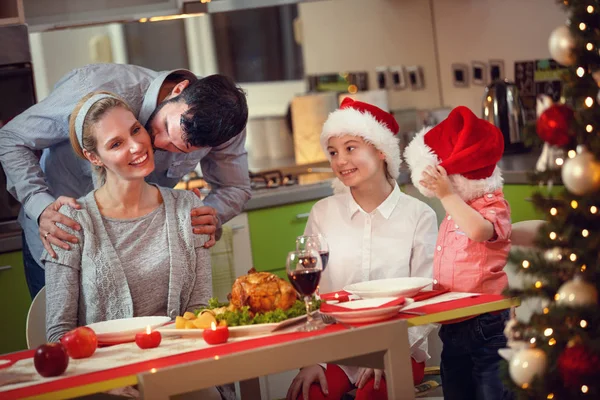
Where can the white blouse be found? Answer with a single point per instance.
(395, 240)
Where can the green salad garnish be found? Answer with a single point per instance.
(246, 317)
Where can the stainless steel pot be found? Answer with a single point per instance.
(503, 108)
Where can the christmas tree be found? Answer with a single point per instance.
(556, 354)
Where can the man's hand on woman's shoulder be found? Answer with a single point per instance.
(50, 233)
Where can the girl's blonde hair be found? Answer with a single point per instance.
(95, 113)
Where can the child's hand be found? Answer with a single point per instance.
(436, 180)
(365, 374)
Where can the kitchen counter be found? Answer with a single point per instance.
(515, 168)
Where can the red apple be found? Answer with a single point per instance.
(51, 359)
(80, 342)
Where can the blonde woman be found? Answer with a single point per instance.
(136, 254)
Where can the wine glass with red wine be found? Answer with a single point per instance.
(304, 269)
(314, 242)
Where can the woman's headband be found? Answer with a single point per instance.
(85, 108)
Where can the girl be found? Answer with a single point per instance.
(136, 254)
(456, 162)
(374, 231)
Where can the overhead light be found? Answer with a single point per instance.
(169, 17)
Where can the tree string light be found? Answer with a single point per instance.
(585, 233)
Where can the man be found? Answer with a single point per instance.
(191, 120)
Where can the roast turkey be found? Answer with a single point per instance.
(262, 292)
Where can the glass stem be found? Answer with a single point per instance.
(309, 317)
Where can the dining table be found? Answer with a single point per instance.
(187, 364)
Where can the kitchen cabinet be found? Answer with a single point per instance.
(519, 199)
(14, 300)
(231, 256)
(273, 233)
(11, 12)
(43, 14)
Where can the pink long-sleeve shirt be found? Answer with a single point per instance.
(463, 265)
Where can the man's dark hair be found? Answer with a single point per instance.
(218, 111)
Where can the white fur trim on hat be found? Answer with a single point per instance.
(419, 156)
(469, 189)
(349, 121)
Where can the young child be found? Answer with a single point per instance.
(456, 162)
(374, 231)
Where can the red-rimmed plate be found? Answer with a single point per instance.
(367, 310)
(6, 363)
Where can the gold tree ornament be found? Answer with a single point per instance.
(581, 174)
(561, 44)
(526, 364)
(577, 292)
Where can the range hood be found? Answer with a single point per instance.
(44, 15)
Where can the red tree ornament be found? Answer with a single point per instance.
(578, 366)
(554, 125)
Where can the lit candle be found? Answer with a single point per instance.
(216, 334)
(149, 339)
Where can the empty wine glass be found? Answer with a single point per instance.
(304, 269)
(314, 242)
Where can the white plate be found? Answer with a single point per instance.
(124, 330)
(234, 331)
(394, 287)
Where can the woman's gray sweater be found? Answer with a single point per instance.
(107, 275)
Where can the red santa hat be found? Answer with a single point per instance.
(371, 123)
(466, 146)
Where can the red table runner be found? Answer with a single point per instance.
(211, 352)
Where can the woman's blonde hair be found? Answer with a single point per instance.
(95, 113)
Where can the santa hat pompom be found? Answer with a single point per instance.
(466, 146)
(419, 156)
